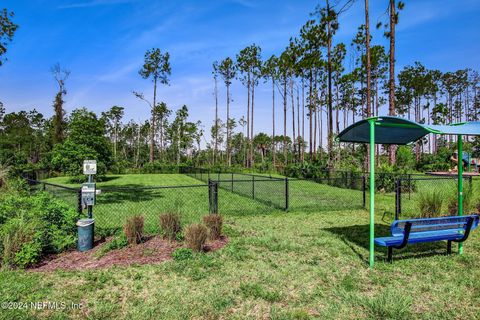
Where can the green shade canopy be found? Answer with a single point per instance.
(393, 130)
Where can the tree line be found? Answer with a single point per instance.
(318, 86)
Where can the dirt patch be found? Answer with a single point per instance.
(152, 251)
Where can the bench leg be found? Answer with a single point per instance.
(390, 254)
(449, 247)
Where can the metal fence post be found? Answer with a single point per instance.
(211, 206)
(253, 187)
(215, 197)
(364, 190)
(79, 201)
(398, 198)
(44, 187)
(409, 186)
(232, 181)
(287, 195)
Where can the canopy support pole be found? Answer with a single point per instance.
(372, 192)
(460, 183)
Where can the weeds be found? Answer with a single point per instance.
(195, 236)
(170, 225)
(214, 223)
(133, 229)
(430, 204)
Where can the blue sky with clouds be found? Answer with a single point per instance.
(102, 43)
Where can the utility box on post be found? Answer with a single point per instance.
(88, 195)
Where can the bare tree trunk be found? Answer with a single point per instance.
(310, 117)
(329, 99)
(215, 150)
(248, 121)
(285, 154)
(294, 142)
(391, 84)
(303, 119)
(274, 145)
(152, 127)
(252, 154)
(299, 145)
(229, 160)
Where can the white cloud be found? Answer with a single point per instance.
(94, 3)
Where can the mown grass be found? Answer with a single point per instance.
(302, 264)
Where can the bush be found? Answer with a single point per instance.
(17, 236)
(430, 204)
(170, 225)
(214, 223)
(182, 254)
(195, 236)
(32, 225)
(133, 229)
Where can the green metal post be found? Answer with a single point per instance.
(372, 192)
(460, 183)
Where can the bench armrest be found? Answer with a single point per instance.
(406, 235)
(467, 230)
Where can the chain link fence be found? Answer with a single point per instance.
(71, 196)
(271, 191)
(415, 195)
(238, 194)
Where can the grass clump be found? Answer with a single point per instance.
(467, 201)
(118, 242)
(430, 204)
(255, 290)
(170, 225)
(133, 229)
(182, 254)
(214, 223)
(195, 236)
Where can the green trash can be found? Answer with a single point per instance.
(85, 234)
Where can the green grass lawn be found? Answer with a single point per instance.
(301, 264)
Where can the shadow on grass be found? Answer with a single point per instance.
(321, 207)
(108, 178)
(131, 193)
(357, 237)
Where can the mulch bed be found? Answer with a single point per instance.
(153, 250)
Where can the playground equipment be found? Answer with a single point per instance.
(467, 161)
(394, 130)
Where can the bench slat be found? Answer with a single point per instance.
(433, 224)
(428, 230)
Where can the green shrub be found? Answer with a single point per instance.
(195, 236)
(32, 225)
(21, 245)
(430, 203)
(170, 225)
(133, 229)
(182, 254)
(214, 223)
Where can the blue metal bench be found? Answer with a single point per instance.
(451, 229)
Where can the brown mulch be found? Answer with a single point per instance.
(153, 250)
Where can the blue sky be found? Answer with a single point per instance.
(102, 43)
